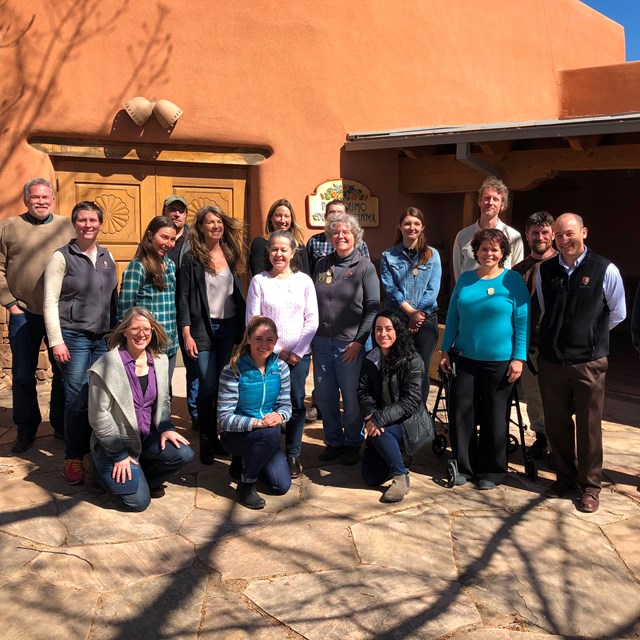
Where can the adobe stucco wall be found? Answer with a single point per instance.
(288, 75)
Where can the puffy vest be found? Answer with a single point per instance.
(257, 393)
(575, 325)
(85, 302)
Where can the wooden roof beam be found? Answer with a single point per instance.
(583, 143)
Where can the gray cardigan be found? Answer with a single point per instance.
(111, 411)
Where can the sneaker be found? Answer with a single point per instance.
(311, 415)
(22, 443)
(330, 453)
(351, 456)
(538, 448)
(73, 471)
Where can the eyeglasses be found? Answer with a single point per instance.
(337, 234)
(141, 332)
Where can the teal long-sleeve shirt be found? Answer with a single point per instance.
(488, 319)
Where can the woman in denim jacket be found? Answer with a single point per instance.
(410, 272)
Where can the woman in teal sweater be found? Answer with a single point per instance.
(487, 329)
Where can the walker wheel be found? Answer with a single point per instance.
(439, 445)
(532, 470)
(452, 473)
(513, 444)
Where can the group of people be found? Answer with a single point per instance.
(247, 360)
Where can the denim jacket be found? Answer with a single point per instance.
(400, 283)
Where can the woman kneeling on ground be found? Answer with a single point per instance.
(390, 395)
(134, 446)
(254, 402)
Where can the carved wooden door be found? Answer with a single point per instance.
(131, 194)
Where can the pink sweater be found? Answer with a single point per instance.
(291, 303)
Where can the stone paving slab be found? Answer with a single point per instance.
(364, 602)
(106, 567)
(298, 540)
(424, 535)
(324, 561)
(33, 611)
(169, 607)
(548, 570)
(624, 537)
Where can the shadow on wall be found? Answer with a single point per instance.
(63, 35)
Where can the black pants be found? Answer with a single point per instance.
(480, 395)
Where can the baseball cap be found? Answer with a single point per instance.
(173, 199)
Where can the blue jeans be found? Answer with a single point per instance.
(332, 377)
(26, 332)
(295, 426)
(84, 348)
(210, 365)
(191, 370)
(261, 457)
(382, 457)
(155, 467)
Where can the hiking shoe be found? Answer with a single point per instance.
(295, 468)
(22, 443)
(330, 453)
(156, 492)
(73, 471)
(248, 495)
(538, 448)
(350, 456)
(398, 489)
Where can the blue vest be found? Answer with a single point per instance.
(257, 393)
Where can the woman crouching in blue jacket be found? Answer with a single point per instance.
(254, 402)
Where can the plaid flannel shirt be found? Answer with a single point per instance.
(137, 290)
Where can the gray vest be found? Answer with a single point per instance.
(88, 294)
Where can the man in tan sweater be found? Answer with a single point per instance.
(27, 242)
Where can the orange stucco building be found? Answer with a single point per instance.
(275, 93)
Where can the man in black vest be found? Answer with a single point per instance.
(582, 298)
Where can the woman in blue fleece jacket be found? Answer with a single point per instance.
(487, 325)
(254, 402)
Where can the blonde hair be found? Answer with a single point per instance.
(294, 229)
(255, 323)
(159, 338)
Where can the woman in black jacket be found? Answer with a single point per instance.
(211, 310)
(390, 395)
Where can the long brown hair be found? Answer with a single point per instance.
(424, 250)
(231, 243)
(159, 337)
(294, 229)
(153, 264)
(255, 323)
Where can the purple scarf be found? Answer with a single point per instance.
(143, 403)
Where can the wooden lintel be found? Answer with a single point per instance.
(521, 170)
(583, 143)
(497, 147)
